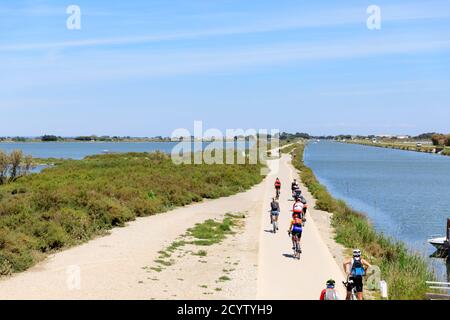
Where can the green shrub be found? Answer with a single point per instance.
(76, 200)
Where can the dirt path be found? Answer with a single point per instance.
(280, 276)
(116, 266)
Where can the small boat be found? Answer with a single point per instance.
(442, 244)
(438, 243)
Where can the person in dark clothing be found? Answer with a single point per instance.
(274, 210)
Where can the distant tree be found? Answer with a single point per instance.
(425, 136)
(48, 138)
(83, 138)
(438, 139)
(447, 143)
(302, 135)
(19, 139)
(15, 159)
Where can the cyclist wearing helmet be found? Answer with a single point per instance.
(295, 188)
(358, 268)
(277, 183)
(329, 293)
(296, 228)
(277, 187)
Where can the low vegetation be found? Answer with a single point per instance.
(207, 233)
(77, 200)
(404, 271)
(289, 148)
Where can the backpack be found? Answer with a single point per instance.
(298, 207)
(330, 294)
(357, 268)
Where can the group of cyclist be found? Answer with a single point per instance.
(298, 212)
(355, 267)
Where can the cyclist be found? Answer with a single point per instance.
(277, 187)
(295, 229)
(357, 271)
(294, 185)
(274, 210)
(329, 293)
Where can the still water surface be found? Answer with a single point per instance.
(79, 150)
(405, 194)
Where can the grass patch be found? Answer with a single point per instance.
(164, 254)
(201, 253)
(211, 232)
(405, 272)
(165, 262)
(203, 234)
(224, 278)
(176, 245)
(76, 200)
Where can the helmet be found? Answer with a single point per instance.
(356, 253)
(330, 283)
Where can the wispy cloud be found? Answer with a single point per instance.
(110, 65)
(256, 24)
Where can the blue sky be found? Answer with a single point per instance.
(146, 68)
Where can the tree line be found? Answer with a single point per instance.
(14, 165)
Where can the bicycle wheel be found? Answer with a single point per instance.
(299, 250)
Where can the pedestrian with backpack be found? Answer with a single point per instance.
(358, 268)
(329, 293)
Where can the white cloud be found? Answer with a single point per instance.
(257, 24)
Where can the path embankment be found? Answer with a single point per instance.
(442, 150)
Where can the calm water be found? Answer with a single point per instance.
(405, 194)
(79, 150)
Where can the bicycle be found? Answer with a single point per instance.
(277, 193)
(349, 284)
(297, 248)
(274, 223)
